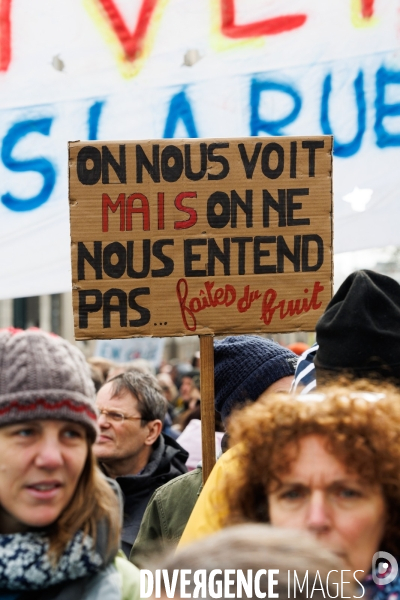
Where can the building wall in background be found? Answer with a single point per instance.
(54, 313)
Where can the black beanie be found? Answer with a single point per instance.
(245, 366)
(360, 330)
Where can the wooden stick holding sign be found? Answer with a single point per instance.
(207, 404)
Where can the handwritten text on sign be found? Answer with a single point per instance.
(200, 236)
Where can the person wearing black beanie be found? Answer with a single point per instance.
(359, 333)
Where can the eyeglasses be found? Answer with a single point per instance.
(117, 417)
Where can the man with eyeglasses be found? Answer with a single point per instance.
(131, 448)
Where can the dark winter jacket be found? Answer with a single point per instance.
(167, 461)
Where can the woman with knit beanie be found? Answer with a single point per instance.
(59, 517)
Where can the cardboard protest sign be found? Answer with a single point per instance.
(196, 237)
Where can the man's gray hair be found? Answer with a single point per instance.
(145, 387)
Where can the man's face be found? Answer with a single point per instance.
(119, 440)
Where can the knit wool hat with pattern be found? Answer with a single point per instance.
(42, 376)
(245, 366)
(359, 331)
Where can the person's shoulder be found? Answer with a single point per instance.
(190, 478)
(195, 474)
(119, 581)
(106, 584)
(211, 507)
(130, 576)
(227, 457)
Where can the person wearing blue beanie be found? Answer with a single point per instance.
(245, 366)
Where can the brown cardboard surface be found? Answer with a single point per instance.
(193, 237)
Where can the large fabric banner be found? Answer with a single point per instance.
(146, 69)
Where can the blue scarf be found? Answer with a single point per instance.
(25, 564)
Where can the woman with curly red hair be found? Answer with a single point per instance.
(326, 463)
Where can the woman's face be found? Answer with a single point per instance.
(40, 465)
(318, 494)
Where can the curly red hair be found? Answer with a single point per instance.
(361, 425)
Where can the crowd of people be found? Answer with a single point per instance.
(100, 477)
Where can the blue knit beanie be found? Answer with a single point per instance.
(245, 366)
